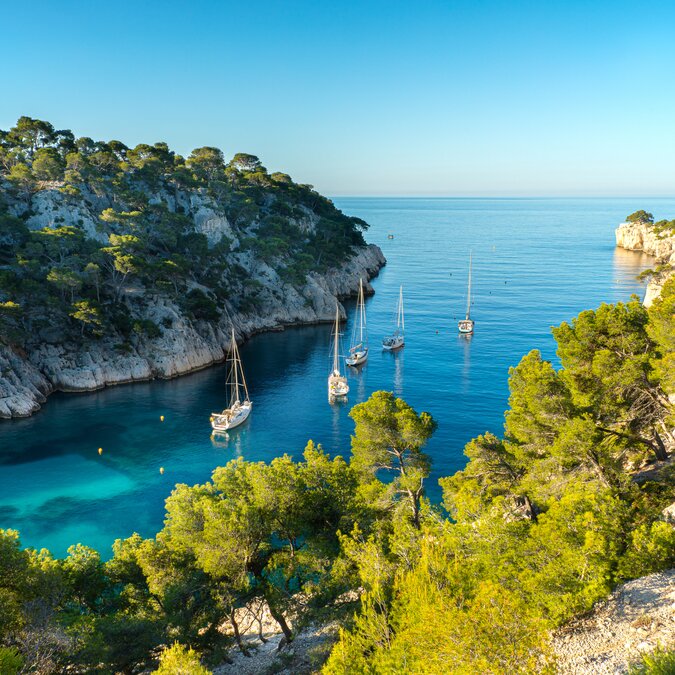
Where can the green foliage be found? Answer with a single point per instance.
(21, 176)
(659, 662)
(661, 329)
(180, 660)
(389, 436)
(48, 165)
(544, 521)
(640, 217)
(11, 661)
(607, 357)
(147, 327)
(201, 306)
(651, 547)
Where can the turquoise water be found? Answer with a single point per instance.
(537, 262)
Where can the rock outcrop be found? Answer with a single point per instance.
(637, 618)
(643, 237)
(27, 378)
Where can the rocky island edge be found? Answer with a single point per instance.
(640, 233)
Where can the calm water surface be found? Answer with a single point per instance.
(537, 262)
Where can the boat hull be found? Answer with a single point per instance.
(465, 327)
(228, 419)
(357, 358)
(337, 386)
(391, 345)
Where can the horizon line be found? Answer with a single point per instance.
(435, 196)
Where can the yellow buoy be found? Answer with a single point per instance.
(100, 451)
(161, 469)
(161, 418)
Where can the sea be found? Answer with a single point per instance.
(536, 263)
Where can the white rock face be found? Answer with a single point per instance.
(215, 226)
(51, 208)
(22, 386)
(184, 346)
(641, 237)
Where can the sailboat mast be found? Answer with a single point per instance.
(337, 327)
(362, 315)
(235, 368)
(468, 297)
(241, 371)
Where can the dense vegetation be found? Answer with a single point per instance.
(543, 522)
(124, 229)
(664, 227)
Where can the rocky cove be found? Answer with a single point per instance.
(28, 377)
(30, 374)
(137, 264)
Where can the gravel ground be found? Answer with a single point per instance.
(637, 617)
(271, 654)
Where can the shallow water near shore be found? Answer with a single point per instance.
(537, 262)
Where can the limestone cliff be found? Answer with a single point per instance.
(120, 264)
(644, 237)
(28, 377)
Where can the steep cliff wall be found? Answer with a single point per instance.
(28, 377)
(643, 237)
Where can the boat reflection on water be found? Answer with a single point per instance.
(357, 373)
(232, 442)
(398, 373)
(465, 340)
(336, 410)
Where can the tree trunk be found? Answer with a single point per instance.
(659, 447)
(237, 636)
(530, 509)
(279, 618)
(415, 505)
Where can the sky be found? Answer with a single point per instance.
(368, 97)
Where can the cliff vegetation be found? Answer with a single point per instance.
(121, 263)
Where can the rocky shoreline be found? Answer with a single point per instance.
(642, 237)
(28, 377)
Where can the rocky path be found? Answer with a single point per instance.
(636, 618)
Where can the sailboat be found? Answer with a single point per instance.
(238, 410)
(396, 340)
(337, 382)
(358, 352)
(466, 325)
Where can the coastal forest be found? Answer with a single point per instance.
(93, 232)
(542, 522)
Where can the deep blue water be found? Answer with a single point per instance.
(537, 262)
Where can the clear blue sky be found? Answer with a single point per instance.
(366, 97)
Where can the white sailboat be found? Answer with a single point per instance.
(337, 382)
(397, 339)
(240, 404)
(466, 325)
(358, 352)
